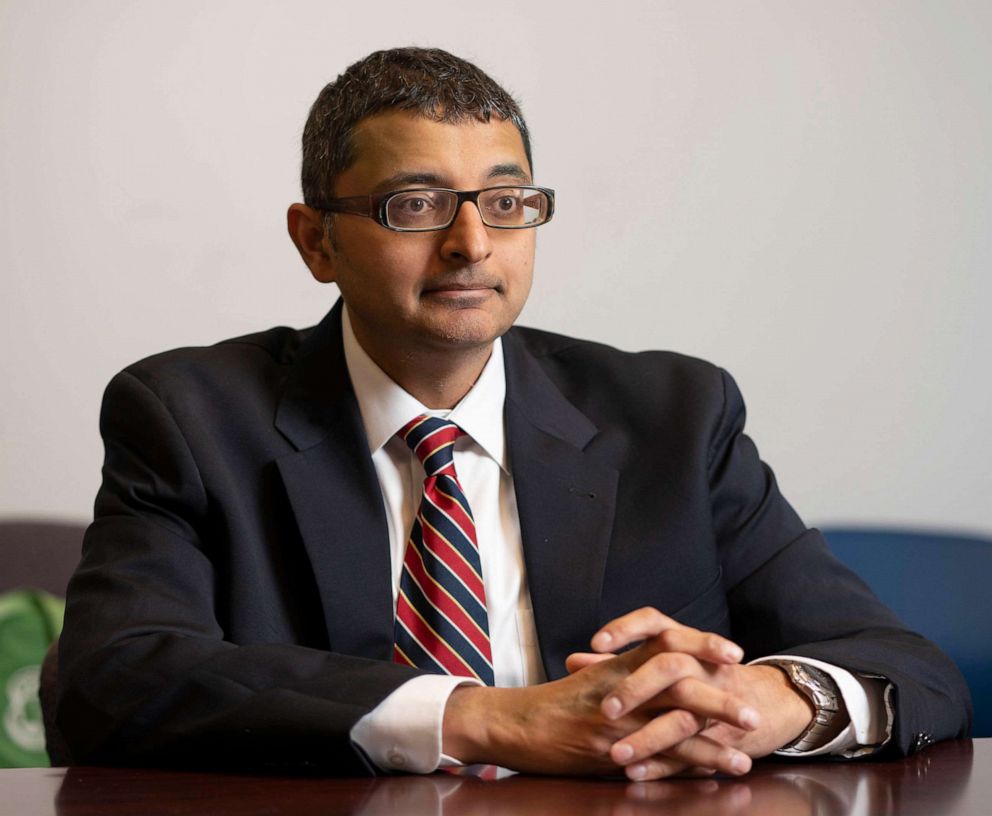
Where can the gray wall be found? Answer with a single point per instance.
(799, 191)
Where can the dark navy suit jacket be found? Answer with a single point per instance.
(233, 603)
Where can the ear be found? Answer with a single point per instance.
(306, 229)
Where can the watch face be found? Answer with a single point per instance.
(818, 686)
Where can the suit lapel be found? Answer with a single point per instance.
(335, 495)
(566, 500)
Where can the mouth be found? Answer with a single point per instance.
(462, 289)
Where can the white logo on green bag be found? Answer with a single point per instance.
(22, 720)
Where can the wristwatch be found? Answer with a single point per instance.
(821, 690)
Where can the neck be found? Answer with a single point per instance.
(447, 380)
(438, 378)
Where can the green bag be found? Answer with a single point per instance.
(29, 621)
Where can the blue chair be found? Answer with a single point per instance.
(940, 585)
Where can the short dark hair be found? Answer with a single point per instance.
(427, 81)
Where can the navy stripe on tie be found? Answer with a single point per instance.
(451, 634)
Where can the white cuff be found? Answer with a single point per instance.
(403, 732)
(864, 697)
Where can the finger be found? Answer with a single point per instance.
(690, 693)
(648, 623)
(707, 752)
(579, 660)
(706, 646)
(648, 680)
(657, 736)
(660, 767)
(696, 751)
(707, 700)
(675, 734)
(698, 773)
(634, 626)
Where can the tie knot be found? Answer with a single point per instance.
(432, 439)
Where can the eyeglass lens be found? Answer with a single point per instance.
(499, 207)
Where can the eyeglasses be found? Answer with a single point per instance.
(435, 208)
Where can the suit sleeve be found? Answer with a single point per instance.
(788, 594)
(146, 673)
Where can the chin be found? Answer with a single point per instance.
(468, 332)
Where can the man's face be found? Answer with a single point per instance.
(457, 288)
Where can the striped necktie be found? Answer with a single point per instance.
(441, 621)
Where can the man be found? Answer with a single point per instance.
(592, 532)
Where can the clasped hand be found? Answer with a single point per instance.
(704, 711)
(678, 702)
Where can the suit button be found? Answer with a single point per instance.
(920, 741)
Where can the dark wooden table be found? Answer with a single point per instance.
(950, 779)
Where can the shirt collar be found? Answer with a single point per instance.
(386, 407)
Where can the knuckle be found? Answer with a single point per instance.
(651, 616)
(685, 722)
(631, 688)
(681, 663)
(681, 691)
(635, 688)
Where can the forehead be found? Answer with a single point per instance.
(462, 155)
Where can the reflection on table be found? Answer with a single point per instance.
(947, 779)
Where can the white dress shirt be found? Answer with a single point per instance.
(404, 731)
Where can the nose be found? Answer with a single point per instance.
(467, 240)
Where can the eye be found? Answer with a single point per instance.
(418, 209)
(506, 204)
(412, 203)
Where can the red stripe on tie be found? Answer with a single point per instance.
(437, 595)
(446, 553)
(430, 641)
(435, 441)
(453, 509)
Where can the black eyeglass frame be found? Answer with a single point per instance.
(374, 206)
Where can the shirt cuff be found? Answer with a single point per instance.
(866, 701)
(403, 732)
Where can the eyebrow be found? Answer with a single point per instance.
(403, 179)
(511, 170)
